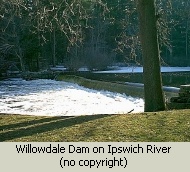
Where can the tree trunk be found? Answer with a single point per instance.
(54, 51)
(18, 52)
(154, 97)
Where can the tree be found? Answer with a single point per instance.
(154, 97)
(180, 33)
(12, 31)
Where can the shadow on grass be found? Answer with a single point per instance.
(45, 125)
(28, 123)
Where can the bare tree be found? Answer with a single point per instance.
(11, 30)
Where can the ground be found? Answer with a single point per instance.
(167, 126)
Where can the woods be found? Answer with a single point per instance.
(95, 33)
(37, 35)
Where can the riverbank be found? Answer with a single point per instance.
(167, 126)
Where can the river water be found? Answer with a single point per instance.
(58, 98)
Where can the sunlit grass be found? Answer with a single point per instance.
(159, 127)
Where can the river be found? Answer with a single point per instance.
(59, 98)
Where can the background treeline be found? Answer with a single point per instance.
(38, 34)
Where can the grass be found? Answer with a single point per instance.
(167, 126)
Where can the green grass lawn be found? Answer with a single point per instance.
(145, 127)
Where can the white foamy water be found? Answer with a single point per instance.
(58, 98)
